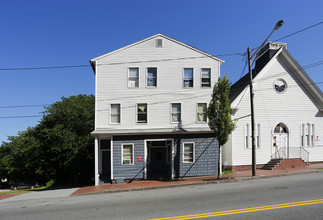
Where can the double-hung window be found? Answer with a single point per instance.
(115, 114)
(127, 154)
(302, 134)
(133, 77)
(308, 132)
(308, 135)
(142, 113)
(188, 77)
(258, 136)
(201, 112)
(188, 153)
(206, 77)
(313, 136)
(176, 112)
(247, 136)
(152, 77)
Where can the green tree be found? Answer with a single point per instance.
(60, 147)
(219, 112)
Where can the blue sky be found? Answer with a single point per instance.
(59, 33)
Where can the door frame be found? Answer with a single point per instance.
(100, 160)
(146, 154)
(273, 149)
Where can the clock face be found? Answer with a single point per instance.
(280, 85)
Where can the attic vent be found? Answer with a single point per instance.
(159, 42)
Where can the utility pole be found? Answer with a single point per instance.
(277, 26)
(252, 118)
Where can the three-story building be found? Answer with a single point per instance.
(150, 114)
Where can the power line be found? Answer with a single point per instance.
(180, 91)
(303, 85)
(24, 116)
(319, 63)
(299, 31)
(118, 63)
(24, 106)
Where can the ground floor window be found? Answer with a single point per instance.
(307, 135)
(188, 152)
(127, 154)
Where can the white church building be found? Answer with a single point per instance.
(288, 109)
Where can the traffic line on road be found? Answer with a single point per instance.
(245, 210)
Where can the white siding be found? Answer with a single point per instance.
(294, 107)
(112, 85)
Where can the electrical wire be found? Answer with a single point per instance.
(297, 32)
(24, 116)
(24, 106)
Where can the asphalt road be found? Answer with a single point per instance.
(287, 197)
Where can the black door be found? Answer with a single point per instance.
(157, 166)
(106, 167)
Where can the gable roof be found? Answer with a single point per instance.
(92, 61)
(267, 56)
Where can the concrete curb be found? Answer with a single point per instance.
(233, 179)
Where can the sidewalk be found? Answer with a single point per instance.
(234, 177)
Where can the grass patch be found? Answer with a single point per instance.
(227, 172)
(13, 191)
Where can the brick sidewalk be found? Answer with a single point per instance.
(154, 184)
(4, 196)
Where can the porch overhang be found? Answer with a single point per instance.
(151, 131)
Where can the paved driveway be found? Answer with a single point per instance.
(42, 194)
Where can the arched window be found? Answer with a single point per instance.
(280, 128)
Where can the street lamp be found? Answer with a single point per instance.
(277, 26)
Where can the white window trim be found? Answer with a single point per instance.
(129, 77)
(197, 108)
(206, 87)
(110, 121)
(184, 78)
(133, 154)
(181, 115)
(184, 152)
(151, 87)
(141, 123)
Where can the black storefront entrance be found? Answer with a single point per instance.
(159, 159)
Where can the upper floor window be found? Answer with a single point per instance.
(206, 77)
(201, 112)
(176, 112)
(142, 113)
(188, 77)
(115, 114)
(133, 77)
(152, 77)
(159, 43)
